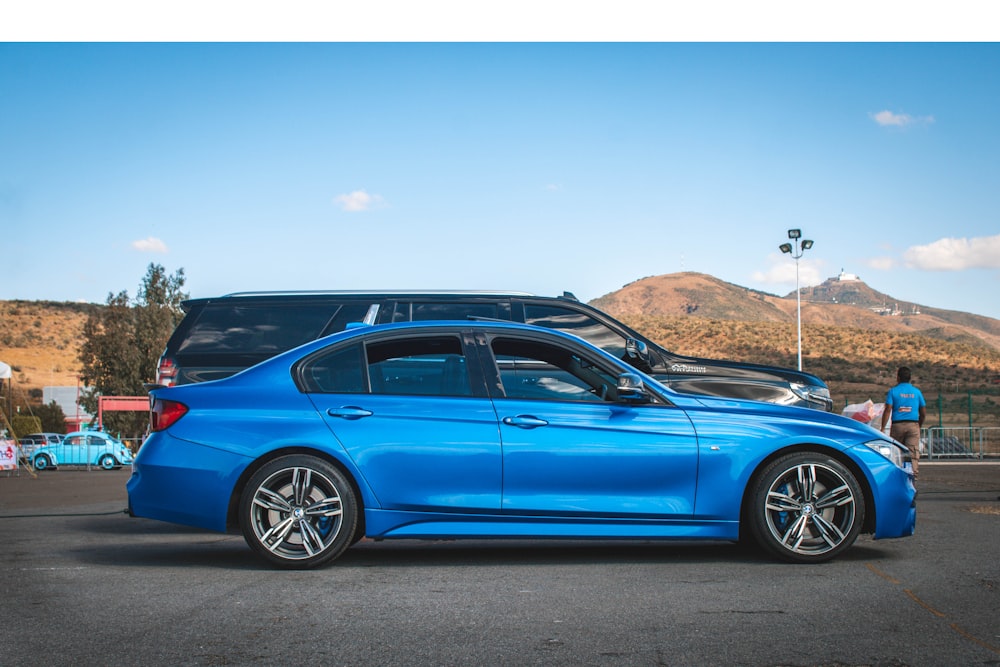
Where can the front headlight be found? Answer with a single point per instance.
(890, 450)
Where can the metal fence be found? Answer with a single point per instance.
(969, 443)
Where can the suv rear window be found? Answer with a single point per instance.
(266, 327)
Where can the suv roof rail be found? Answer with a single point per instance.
(403, 292)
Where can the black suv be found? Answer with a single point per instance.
(222, 336)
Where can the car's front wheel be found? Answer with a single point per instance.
(298, 511)
(806, 508)
(42, 462)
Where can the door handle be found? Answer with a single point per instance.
(349, 412)
(525, 421)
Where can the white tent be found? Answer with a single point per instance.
(4, 371)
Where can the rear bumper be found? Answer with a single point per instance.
(182, 482)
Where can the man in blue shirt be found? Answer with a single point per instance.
(906, 405)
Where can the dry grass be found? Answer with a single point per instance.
(41, 341)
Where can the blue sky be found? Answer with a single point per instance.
(522, 166)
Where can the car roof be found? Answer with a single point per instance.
(487, 324)
(380, 294)
(364, 330)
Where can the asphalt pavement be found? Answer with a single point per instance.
(85, 584)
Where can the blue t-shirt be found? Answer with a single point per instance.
(906, 401)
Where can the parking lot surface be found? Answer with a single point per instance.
(85, 584)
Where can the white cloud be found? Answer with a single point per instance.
(359, 200)
(150, 244)
(887, 118)
(951, 254)
(881, 263)
(782, 272)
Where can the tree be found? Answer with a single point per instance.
(157, 313)
(52, 416)
(123, 342)
(25, 424)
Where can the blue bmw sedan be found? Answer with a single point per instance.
(483, 429)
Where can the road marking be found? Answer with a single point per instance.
(891, 580)
(913, 596)
(974, 639)
(940, 614)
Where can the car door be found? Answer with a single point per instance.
(98, 446)
(570, 448)
(73, 450)
(414, 419)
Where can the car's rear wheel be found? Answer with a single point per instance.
(807, 508)
(108, 462)
(298, 512)
(42, 462)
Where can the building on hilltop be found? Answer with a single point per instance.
(848, 277)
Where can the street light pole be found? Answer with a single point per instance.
(796, 248)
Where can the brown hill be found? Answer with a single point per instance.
(691, 294)
(843, 303)
(893, 315)
(40, 340)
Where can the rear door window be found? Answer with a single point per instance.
(266, 328)
(412, 366)
(422, 366)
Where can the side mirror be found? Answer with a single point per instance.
(637, 354)
(631, 388)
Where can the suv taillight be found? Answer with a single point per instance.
(166, 372)
(163, 413)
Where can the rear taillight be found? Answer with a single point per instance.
(166, 372)
(163, 413)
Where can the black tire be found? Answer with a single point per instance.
(108, 462)
(806, 507)
(298, 512)
(42, 462)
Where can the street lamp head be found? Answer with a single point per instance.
(786, 248)
(806, 244)
(794, 233)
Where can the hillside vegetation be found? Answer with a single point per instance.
(41, 341)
